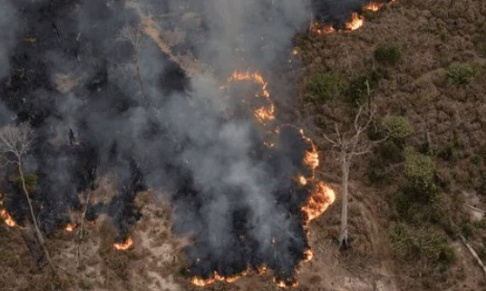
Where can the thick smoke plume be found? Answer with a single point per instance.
(109, 97)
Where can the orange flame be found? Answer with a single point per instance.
(318, 29)
(311, 158)
(128, 243)
(373, 6)
(308, 255)
(302, 180)
(7, 218)
(320, 199)
(285, 284)
(355, 23)
(200, 282)
(263, 113)
(70, 227)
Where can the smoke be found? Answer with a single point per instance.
(106, 101)
(8, 27)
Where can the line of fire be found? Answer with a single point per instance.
(283, 152)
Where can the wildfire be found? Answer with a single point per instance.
(200, 282)
(319, 30)
(321, 197)
(285, 284)
(319, 200)
(311, 158)
(70, 227)
(356, 22)
(373, 6)
(263, 113)
(308, 255)
(7, 218)
(128, 243)
(302, 180)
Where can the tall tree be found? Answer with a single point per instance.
(350, 146)
(15, 142)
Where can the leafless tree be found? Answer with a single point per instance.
(349, 147)
(15, 142)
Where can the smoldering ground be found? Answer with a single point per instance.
(105, 103)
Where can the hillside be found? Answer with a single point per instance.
(155, 168)
(424, 64)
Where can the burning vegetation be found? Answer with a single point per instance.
(122, 106)
(125, 245)
(354, 23)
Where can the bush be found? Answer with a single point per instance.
(397, 127)
(388, 54)
(463, 74)
(390, 151)
(358, 90)
(424, 243)
(418, 167)
(322, 87)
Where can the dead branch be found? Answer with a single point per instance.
(473, 253)
(15, 143)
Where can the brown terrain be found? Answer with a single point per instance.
(430, 73)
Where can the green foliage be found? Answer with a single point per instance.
(466, 229)
(419, 167)
(388, 54)
(323, 87)
(379, 175)
(390, 151)
(397, 127)
(30, 182)
(463, 74)
(358, 90)
(424, 243)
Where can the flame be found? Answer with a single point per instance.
(302, 180)
(318, 29)
(263, 113)
(70, 227)
(285, 284)
(311, 158)
(373, 6)
(308, 255)
(125, 245)
(216, 277)
(7, 218)
(355, 23)
(321, 197)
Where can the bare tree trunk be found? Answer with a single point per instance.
(40, 237)
(343, 236)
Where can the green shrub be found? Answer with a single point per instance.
(397, 127)
(418, 167)
(462, 74)
(390, 151)
(322, 87)
(424, 243)
(447, 255)
(358, 90)
(388, 54)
